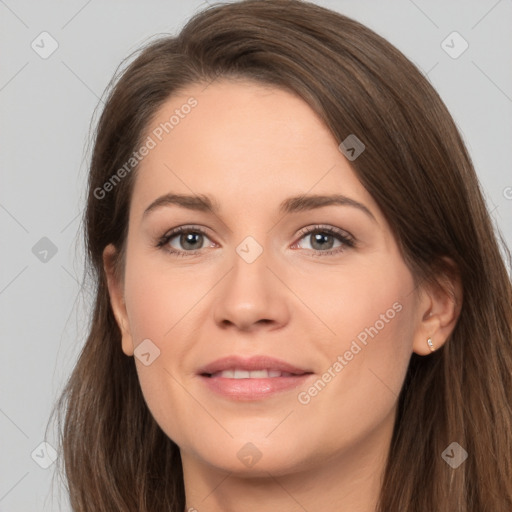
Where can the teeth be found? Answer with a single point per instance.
(261, 374)
(256, 374)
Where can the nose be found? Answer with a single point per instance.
(251, 297)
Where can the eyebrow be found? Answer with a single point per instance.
(204, 203)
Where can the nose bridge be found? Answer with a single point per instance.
(250, 292)
(251, 261)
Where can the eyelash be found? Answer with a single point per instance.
(347, 240)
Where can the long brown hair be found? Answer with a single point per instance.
(418, 170)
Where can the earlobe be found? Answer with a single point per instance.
(439, 310)
(117, 301)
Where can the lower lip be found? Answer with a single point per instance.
(253, 389)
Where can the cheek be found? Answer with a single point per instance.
(158, 298)
(152, 311)
(360, 303)
(372, 316)
(374, 323)
(162, 306)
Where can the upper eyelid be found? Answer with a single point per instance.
(303, 231)
(319, 227)
(185, 228)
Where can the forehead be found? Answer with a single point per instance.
(241, 141)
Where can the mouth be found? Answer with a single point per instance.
(238, 373)
(254, 378)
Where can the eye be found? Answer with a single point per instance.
(322, 240)
(326, 240)
(184, 240)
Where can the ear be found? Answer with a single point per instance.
(439, 307)
(116, 292)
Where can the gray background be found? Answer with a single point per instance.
(46, 109)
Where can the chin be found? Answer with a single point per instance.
(256, 457)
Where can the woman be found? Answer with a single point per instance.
(300, 302)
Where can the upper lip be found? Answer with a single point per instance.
(260, 362)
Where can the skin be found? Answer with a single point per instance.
(250, 147)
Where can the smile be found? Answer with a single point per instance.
(256, 374)
(250, 379)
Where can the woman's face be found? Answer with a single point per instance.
(277, 329)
